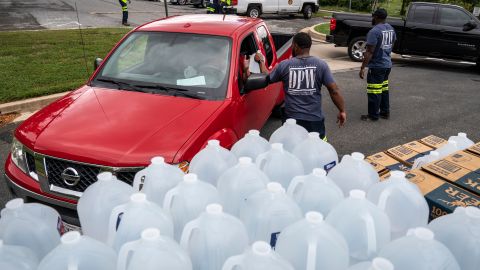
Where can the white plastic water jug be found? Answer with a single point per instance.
(153, 251)
(366, 227)
(31, 225)
(213, 237)
(316, 153)
(212, 161)
(267, 212)
(402, 201)
(98, 201)
(127, 221)
(17, 258)
(315, 192)
(188, 200)
(460, 233)
(353, 172)
(280, 165)
(431, 157)
(463, 142)
(312, 244)
(259, 257)
(251, 145)
(158, 178)
(420, 251)
(449, 148)
(289, 134)
(238, 183)
(78, 252)
(378, 263)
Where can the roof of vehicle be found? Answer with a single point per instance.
(212, 24)
(435, 4)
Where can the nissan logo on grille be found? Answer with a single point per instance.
(70, 176)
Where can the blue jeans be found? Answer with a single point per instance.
(377, 92)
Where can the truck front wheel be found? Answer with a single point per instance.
(356, 48)
(307, 12)
(253, 12)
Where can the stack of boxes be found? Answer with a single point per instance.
(447, 183)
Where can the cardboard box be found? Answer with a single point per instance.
(404, 154)
(442, 197)
(466, 160)
(433, 141)
(455, 174)
(381, 170)
(388, 162)
(419, 147)
(475, 149)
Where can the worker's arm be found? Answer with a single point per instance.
(261, 61)
(337, 99)
(367, 56)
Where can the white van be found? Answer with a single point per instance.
(255, 8)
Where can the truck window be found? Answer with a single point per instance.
(453, 17)
(263, 35)
(423, 14)
(247, 49)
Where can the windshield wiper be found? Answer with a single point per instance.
(125, 86)
(177, 91)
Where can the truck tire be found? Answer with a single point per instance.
(307, 12)
(182, 2)
(253, 12)
(356, 48)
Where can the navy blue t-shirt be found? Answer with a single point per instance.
(382, 37)
(302, 80)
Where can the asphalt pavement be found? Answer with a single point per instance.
(427, 97)
(61, 14)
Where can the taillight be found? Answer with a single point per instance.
(333, 24)
(234, 2)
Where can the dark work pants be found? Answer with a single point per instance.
(310, 126)
(377, 92)
(123, 3)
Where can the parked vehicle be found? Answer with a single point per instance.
(166, 88)
(198, 3)
(429, 29)
(180, 2)
(255, 8)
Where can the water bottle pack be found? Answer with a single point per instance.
(206, 220)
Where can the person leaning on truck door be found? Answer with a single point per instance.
(380, 40)
(303, 76)
(123, 3)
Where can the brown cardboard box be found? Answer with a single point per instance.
(475, 149)
(381, 170)
(455, 174)
(388, 162)
(466, 160)
(419, 147)
(404, 154)
(433, 141)
(442, 197)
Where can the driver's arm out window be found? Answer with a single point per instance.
(247, 48)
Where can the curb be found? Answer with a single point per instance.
(316, 35)
(29, 105)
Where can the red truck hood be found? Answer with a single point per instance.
(120, 128)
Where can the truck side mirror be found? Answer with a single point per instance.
(256, 81)
(97, 63)
(469, 25)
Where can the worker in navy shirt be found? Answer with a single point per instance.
(303, 76)
(380, 41)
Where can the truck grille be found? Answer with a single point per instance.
(88, 173)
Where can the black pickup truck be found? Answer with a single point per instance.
(429, 29)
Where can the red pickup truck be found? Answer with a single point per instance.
(166, 88)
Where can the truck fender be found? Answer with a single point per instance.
(226, 136)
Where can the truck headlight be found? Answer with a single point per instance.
(18, 155)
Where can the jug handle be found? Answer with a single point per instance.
(138, 179)
(112, 223)
(124, 253)
(260, 161)
(168, 201)
(312, 255)
(382, 199)
(232, 262)
(371, 235)
(187, 233)
(296, 182)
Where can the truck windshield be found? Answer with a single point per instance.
(183, 64)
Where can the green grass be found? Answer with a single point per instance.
(392, 6)
(36, 63)
(322, 13)
(323, 28)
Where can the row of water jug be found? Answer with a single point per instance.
(216, 240)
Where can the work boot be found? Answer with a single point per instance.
(368, 118)
(385, 115)
(125, 24)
